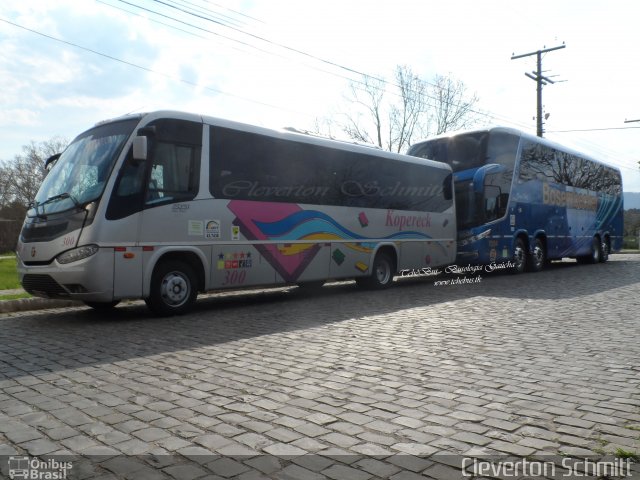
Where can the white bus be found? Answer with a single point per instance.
(163, 205)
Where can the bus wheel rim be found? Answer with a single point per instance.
(596, 250)
(382, 273)
(174, 289)
(538, 255)
(519, 257)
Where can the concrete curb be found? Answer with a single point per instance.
(26, 304)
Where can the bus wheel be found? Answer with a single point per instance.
(381, 273)
(596, 251)
(102, 306)
(173, 289)
(605, 252)
(538, 258)
(519, 256)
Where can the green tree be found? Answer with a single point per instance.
(631, 227)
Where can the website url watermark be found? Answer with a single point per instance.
(465, 270)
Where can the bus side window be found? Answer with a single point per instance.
(174, 174)
(127, 197)
(495, 203)
(503, 200)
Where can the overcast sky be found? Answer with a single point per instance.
(67, 64)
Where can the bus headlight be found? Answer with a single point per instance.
(77, 254)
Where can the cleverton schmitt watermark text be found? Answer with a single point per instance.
(568, 468)
(457, 270)
(349, 188)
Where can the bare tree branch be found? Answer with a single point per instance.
(394, 115)
(21, 177)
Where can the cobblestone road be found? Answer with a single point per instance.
(342, 384)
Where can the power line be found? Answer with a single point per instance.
(140, 67)
(202, 14)
(222, 16)
(235, 40)
(262, 39)
(594, 129)
(349, 70)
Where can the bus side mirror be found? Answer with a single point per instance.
(482, 172)
(51, 161)
(140, 149)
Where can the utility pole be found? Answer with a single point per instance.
(540, 81)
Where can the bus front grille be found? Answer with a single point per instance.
(43, 285)
(35, 233)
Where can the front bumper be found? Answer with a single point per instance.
(89, 279)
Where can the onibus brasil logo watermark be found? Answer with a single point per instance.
(33, 468)
(462, 271)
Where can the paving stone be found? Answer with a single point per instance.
(39, 447)
(377, 468)
(511, 448)
(185, 472)
(133, 447)
(574, 422)
(266, 464)
(339, 439)
(237, 450)
(472, 438)
(227, 467)
(501, 424)
(23, 435)
(283, 450)
(292, 472)
(341, 472)
(212, 441)
(123, 466)
(310, 445)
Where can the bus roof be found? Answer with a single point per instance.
(284, 133)
(519, 133)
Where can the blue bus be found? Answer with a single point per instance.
(525, 200)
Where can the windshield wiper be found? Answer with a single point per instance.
(60, 196)
(55, 198)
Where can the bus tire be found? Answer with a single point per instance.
(102, 306)
(538, 256)
(519, 256)
(381, 273)
(596, 253)
(173, 288)
(605, 251)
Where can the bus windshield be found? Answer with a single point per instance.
(81, 173)
(461, 152)
(468, 152)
